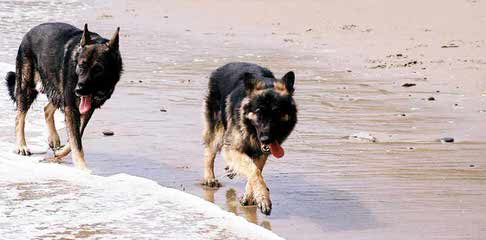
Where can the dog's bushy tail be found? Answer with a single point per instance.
(10, 79)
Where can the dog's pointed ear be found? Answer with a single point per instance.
(114, 41)
(249, 80)
(289, 80)
(86, 38)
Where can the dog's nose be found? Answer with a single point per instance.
(80, 88)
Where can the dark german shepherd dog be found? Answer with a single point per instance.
(76, 69)
(249, 113)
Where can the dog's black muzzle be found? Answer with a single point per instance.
(81, 89)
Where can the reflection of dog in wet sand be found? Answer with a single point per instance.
(76, 69)
(248, 113)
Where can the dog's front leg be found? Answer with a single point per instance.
(63, 152)
(74, 132)
(256, 188)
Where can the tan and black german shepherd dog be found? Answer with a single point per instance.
(76, 69)
(248, 114)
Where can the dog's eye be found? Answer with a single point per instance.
(258, 110)
(97, 69)
(285, 117)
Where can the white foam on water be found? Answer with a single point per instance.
(46, 201)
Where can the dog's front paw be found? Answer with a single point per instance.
(212, 182)
(265, 205)
(62, 151)
(54, 143)
(23, 150)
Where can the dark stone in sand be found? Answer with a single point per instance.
(431, 98)
(409, 84)
(163, 110)
(447, 139)
(140, 81)
(108, 133)
(403, 114)
(451, 45)
(471, 165)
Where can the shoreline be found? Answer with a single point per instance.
(351, 60)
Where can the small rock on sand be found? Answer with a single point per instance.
(362, 136)
(163, 110)
(431, 98)
(409, 84)
(446, 140)
(450, 45)
(108, 133)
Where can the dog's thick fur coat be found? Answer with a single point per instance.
(248, 114)
(74, 68)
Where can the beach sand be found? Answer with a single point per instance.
(351, 59)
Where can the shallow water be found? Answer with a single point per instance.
(407, 185)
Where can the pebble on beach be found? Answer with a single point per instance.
(108, 133)
(409, 84)
(446, 140)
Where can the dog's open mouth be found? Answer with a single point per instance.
(274, 148)
(85, 104)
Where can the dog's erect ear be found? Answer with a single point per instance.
(113, 44)
(289, 80)
(250, 81)
(86, 38)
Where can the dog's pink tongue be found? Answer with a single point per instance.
(276, 150)
(85, 104)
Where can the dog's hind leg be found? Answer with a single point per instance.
(213, 138)
(20, 133)
(54, 140)
(212, 142)
(25, 94)
(256, 188)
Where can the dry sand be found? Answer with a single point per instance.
(351, 59)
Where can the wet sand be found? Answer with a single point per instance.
(351, 60)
